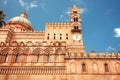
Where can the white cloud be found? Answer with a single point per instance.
(65, 15)
(33, 4)
(110, 48)
(22, 3)
(27, 5)
(117, 32)
(67, 12)
(63, 18)
(82, 10)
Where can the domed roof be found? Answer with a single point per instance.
(20, 23)
(22, 18)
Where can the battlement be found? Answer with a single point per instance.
(93, 55)
(57, 25)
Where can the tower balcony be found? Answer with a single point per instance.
(76, 30)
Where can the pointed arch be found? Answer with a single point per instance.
(75, 18)
(2, 44)
(59, 55)
(84, 67)
(4, 56)
(44, 43)
(38, 51)
(22, 44)
(59, 51)
(29, 43)
(6, 50)
(37, 55)
(17, 55)
(117, 65)
(18, 50)
(48, 50)
(72, 67)
(106, 67)
(14, 43)
(48, 54)
(95, 67)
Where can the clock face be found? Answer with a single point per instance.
(76, 37)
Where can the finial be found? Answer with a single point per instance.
(24, 14)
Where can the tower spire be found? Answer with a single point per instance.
(24, 14)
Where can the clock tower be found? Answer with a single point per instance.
(75, 22)
(76, 31)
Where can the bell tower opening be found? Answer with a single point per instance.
(74, 14)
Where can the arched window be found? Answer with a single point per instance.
(60, 36)
(48, 58)
(48, 36)
(118, 67)
(16, 59)
(75, 19)
(76, 27)
(106, 67)
(38, 58)
(6, 57)
(66, 36)
(83, 67)
(95, 68)
(54, 35)
(72, 68)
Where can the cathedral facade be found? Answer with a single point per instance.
(58, 53)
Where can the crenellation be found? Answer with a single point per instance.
(113, 55)
(57, 24)
(107, 55)
(118, 54)
(92, 54)
(100, 55)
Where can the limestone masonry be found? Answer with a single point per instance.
(57, 53)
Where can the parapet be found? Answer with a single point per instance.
(93, 55)
(57, 24)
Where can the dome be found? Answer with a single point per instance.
(20, 23)
(21, 19)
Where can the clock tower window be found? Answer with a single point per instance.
(54, 35)
(76, 27)
(75, 19)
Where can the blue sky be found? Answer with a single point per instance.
(100, 19)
